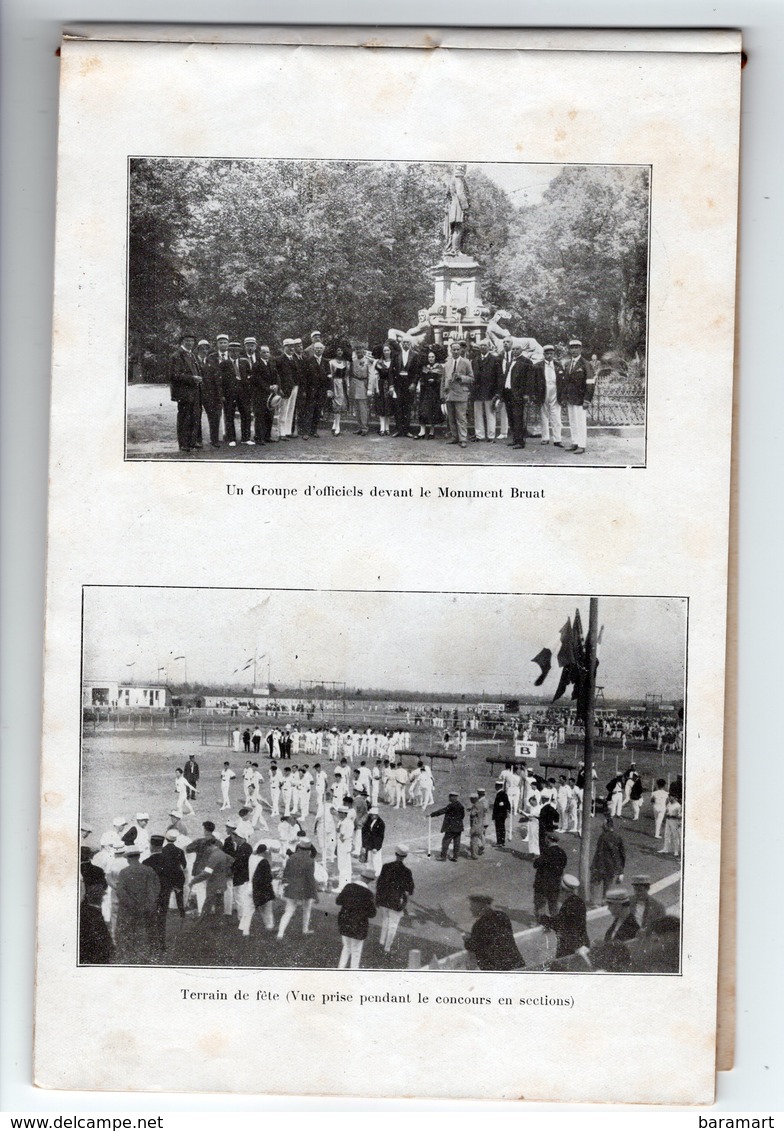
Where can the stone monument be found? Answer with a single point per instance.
(457, 310)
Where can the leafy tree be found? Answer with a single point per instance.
(278, 248)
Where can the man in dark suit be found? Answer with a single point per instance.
(546, 387)
(191, 775)
(550, 865)
(263, 379)
(217, 370)
(373, 839)
(578, 388)
(395, 884)
(315, 384)
(570, 922)
(288, 369)
(245, 369)
(501, 810)
(231, 380)
(487, 376)
(185, 386)
(491, 940)
(405, 381)
(516, 390)
(451, 826)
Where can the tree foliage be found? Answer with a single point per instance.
(278, 248)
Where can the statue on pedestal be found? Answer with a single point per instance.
(457, 205)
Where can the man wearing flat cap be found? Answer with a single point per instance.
(185, 388)
(577, 393)
(395, 884)
(546, 383)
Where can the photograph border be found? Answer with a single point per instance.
(190, 970)
(383, 463)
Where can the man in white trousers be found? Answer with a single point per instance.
(547, 381)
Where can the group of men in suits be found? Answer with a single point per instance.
(514, 379)
(271, 395)
(277, 398)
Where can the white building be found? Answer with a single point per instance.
(128, 696)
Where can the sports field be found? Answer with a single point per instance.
(126, 771)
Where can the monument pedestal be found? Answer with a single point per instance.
(458, 311)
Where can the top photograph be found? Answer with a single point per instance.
(372, 312)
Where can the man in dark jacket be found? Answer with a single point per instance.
(487, 374)
(217, 370)
(357, 908)
(288, 369)
(172, 875)
(570, 922)
(550, 865)
(577, 393)
(516, 390)
(452, 826)
(185, 387)
(395, 884)
(624, 926)
(502, 807)
(609, 861)
(201, 846)
(491, 940)
(155, 861)
(373, 839)
(263, 380)
(95, 941)
(406, 377)
(191, 774)
(546, 384)
(263, 891)
(246, 369)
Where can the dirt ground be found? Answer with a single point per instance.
(152, 434)
(128, 771)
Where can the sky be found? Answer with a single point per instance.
(446, 643)
(525, 183)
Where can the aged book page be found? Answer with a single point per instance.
(388, 534)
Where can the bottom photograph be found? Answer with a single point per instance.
(377, 780)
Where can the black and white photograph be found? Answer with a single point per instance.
(376, 311)
(382, 780)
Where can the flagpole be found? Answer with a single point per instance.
(585, 843)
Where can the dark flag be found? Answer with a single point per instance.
(566, 660)
(573, 661)
(545, 661)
